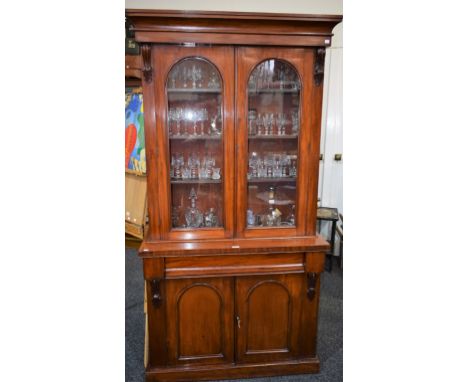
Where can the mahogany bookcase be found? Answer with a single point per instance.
(231, 259)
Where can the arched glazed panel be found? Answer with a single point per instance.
(274, 97)
(195, 123)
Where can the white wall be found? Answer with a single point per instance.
(330, 189)
(326, 7)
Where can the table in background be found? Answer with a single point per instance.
(328, 214)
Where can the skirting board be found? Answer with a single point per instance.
(203, 373)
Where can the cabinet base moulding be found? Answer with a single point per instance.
(238, 371)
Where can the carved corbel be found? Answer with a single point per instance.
(147, 68)
(311, 279)
(319, 66)
(156, 297)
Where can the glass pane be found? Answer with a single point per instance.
(273, 129)
(195, 141)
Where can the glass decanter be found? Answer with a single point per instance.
(272, 216)
(193, 216)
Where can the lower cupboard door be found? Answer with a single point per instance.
(270, 313)
(200, 321)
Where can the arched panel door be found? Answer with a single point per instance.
(270, 315)
(194, 144)
(199, 321)
(278, 146)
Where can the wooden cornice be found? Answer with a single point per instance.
(231, 28)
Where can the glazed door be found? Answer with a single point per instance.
(200, 321)
(278, 129)
(194, 97)
(274, 319)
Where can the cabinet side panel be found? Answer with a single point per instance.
(151, 160)
(316, 115)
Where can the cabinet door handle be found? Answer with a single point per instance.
(311, 278)
(238, 322)
(156, 292)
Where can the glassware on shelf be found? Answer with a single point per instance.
(250, 218)
(273, 75)
(194, 122)
(193, 216)
(277, 169)
(291, 219)
(175, 115)
(252, 83)
(252, 122)
(253, 166)
(281, 123)
(185, 74)
(203, 118)
(295, 121)
(211, 218)
(272, 216)
(213, 82)
(267, 124)
(293, 169)
(186, 173)
(196, 168)
(214, 126)
(259, 124)
(282, 77)
(270, 123)
(272, 165)
(175, 216)
(216, 173)
(175, 73)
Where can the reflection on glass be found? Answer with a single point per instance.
(273, 123)
(195, 127)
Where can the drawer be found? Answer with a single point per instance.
(232, 265)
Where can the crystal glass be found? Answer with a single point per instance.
(252, 122)
(211, 219)
(291, 219)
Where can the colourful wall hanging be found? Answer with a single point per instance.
(135, 156)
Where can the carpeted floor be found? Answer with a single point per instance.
(330, 332)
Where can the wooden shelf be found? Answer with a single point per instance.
(260, 137)
(193, 90)
(195, 137)
(272, 180)
(196, 181)
(278, 91)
